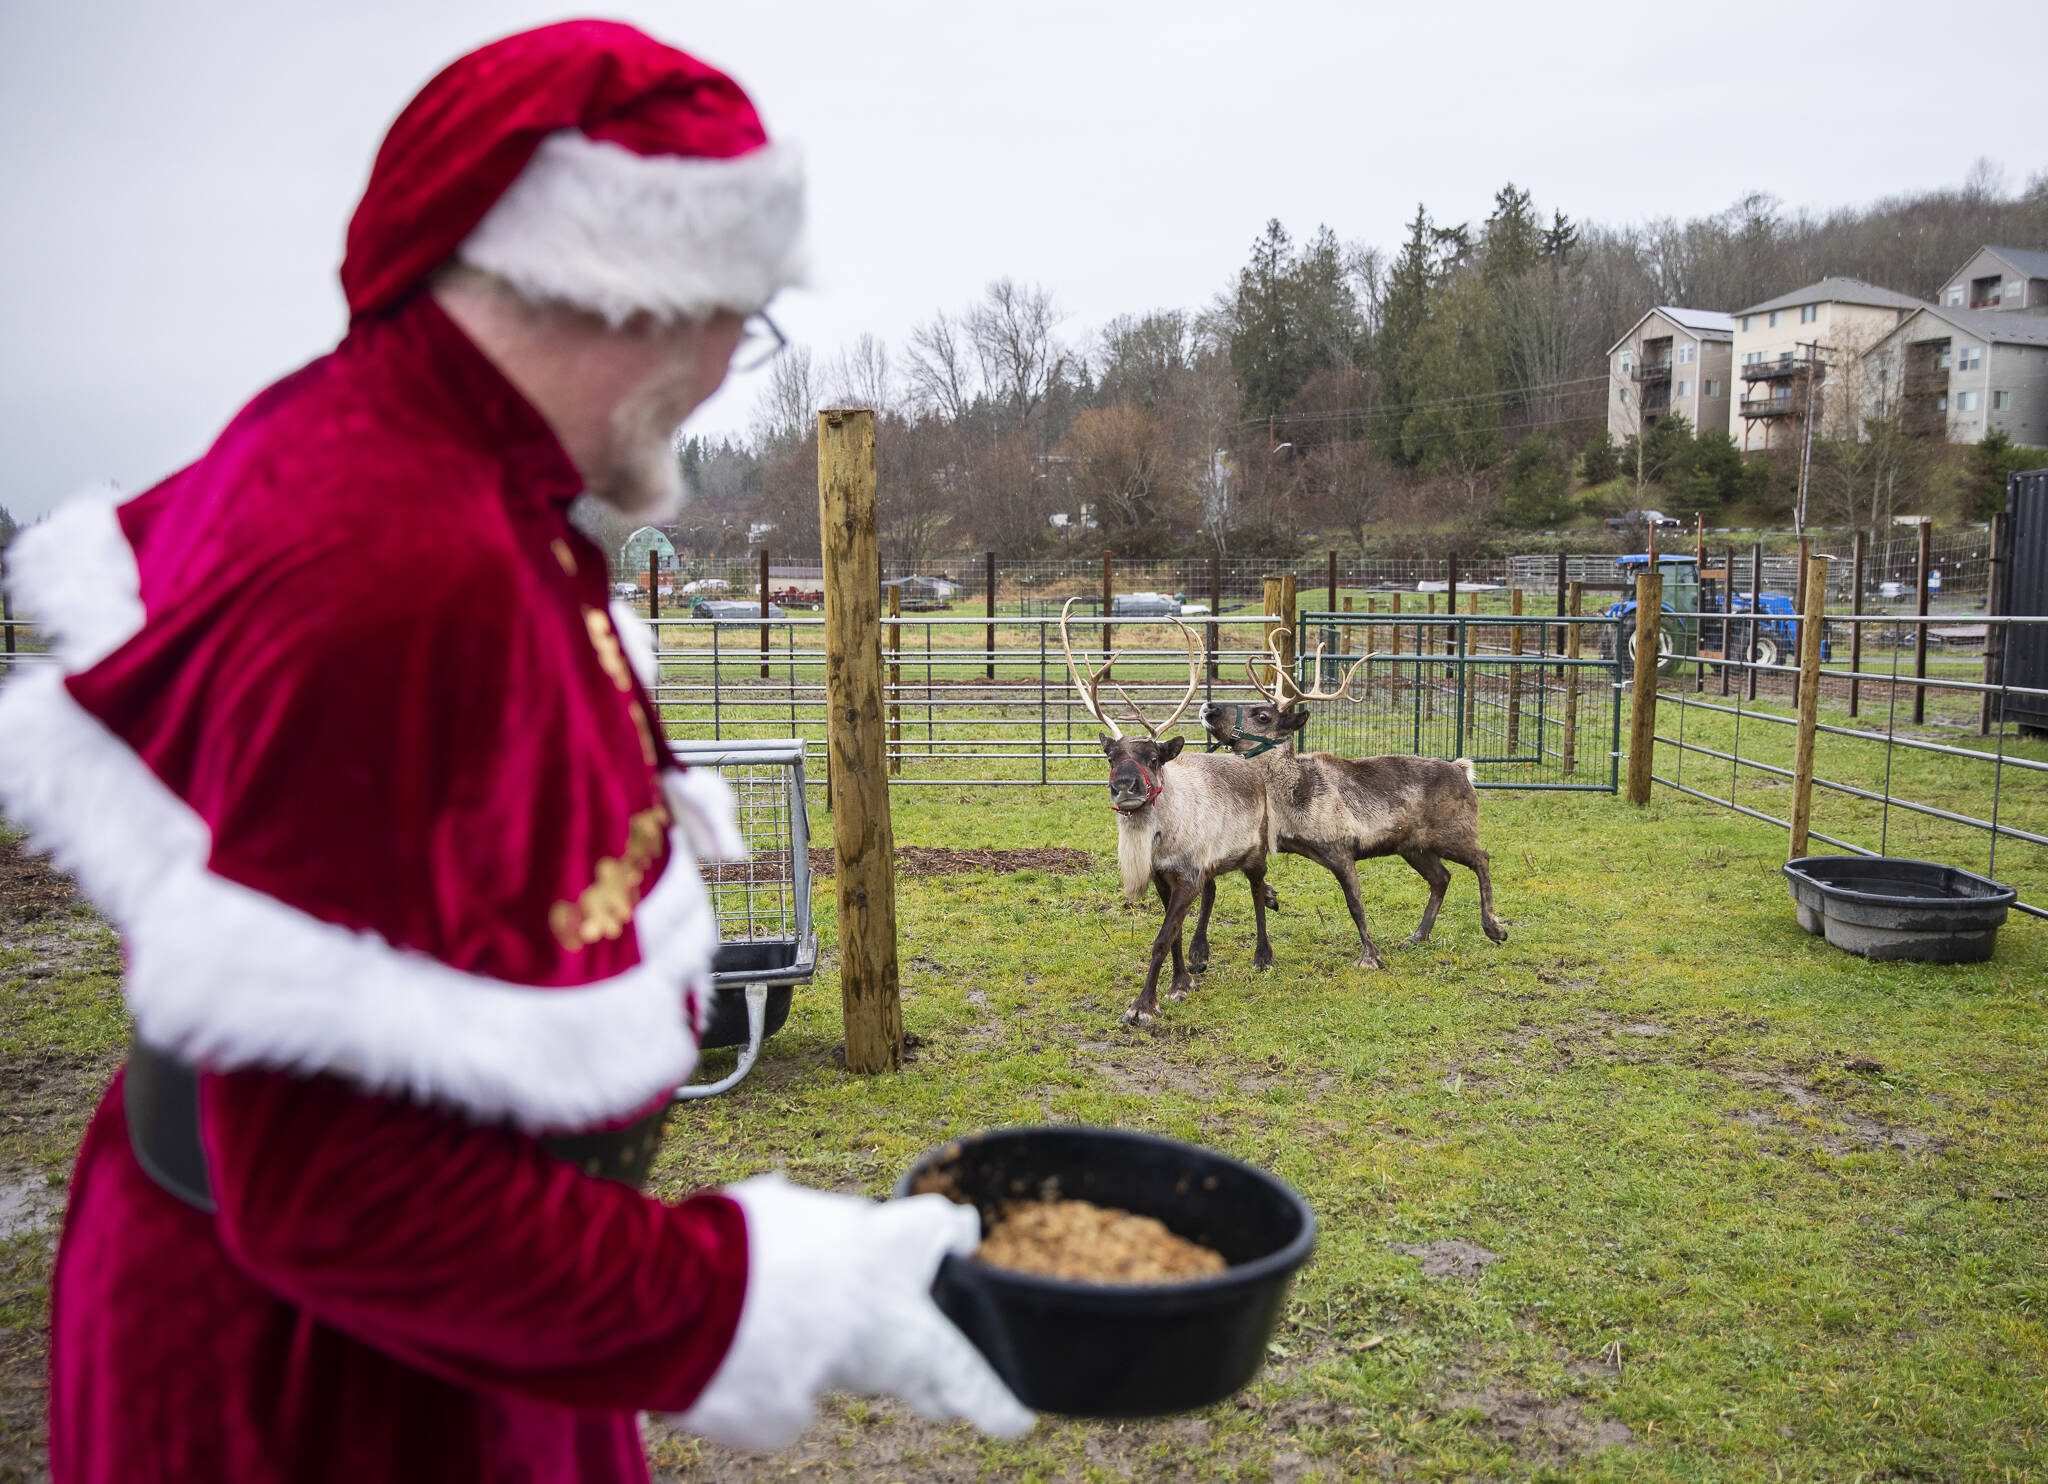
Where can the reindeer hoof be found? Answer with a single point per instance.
(1496, 932)
(1198, 963)
(1262, 961)
(1416, 939)
(1371, 961)
(1176, 994)
(1272, 900)
(1140, 1018)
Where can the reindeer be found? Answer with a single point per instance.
(1339, 811)
(1181, 821)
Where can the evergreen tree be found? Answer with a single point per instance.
(1453, 423)
(1513, 241)
(1409, 284)
(1262, 353)
(1538, 477)
(1599, 461)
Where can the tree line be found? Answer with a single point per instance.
(1334, 390)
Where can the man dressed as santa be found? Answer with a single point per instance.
(345, 742)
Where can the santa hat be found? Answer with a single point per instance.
(588, 164)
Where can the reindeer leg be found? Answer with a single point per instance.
(1430, 867)
(1145, 1008)
(1262, 955)
(1346, 872)
(1198, 951)
(1481, 864)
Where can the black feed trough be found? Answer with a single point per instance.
(1885, 907)
(1121, 1350)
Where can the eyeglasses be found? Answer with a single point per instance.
(761, 341)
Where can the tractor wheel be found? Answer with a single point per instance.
(1670, 647)
(1767, 650)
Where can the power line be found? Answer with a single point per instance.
(1381, 409)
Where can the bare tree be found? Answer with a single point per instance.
(1351, 482)
(1013, 333)
(941, 369)
(788, 405)
(861, 376)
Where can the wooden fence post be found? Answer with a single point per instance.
(1994, 634)
(1642, 723)
(1290, 609)
(866, 877)
(1920, 629)
(989, 562)
(1812, 620)
(1855, 629)
(764, 613)
(1394, 671)
(895, 682)
(653, 585)
(1108, 598)
(1215, 606)
(1571, 682)
(1274, 632)
(1333, 580)
(1756, 608)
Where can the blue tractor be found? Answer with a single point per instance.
(1695, 624)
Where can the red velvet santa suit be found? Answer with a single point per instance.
(343, 740)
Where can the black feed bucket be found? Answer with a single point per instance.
(1120, 1350)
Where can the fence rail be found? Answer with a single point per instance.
(1892, 774)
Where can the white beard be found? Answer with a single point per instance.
(644, 480)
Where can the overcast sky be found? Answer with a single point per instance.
(175, 179)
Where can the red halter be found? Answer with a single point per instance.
(1153, 788)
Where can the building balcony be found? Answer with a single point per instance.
(1754, 407)
(1926, 383)
(1653, 371)
(1776, 370)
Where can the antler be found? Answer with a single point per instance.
(1087, 691)
(1194, 680)
(1285, 692)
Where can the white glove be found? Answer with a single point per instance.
(839, 1298)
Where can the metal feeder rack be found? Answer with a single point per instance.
(767, 944)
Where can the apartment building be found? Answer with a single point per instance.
(1956, 374)
(2006, 279)
(1671, 360)
(1800, 354)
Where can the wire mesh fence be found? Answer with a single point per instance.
(1920, 750)
(958, 710)
(1527, 699)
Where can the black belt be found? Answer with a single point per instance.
(161, 1098)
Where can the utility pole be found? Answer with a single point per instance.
(1815, 368)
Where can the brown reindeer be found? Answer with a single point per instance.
(1181, 821)
(1339, 811)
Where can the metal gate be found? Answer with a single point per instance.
(1527, 698)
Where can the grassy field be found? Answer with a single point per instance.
(1661, 1188)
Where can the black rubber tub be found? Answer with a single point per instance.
(1885, 907)
(1121, 1350)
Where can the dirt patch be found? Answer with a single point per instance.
(30, 889)
(881, 1440)
(1536, 1427)
(28, 1203)
(1452, 1258)
(926, 860)
(1854, 1132)
(1138, 1068)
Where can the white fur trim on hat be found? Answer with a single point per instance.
(591, 223)
(232, 977)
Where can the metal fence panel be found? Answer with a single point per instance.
(1500, 691)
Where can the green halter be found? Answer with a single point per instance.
(1266, 744)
